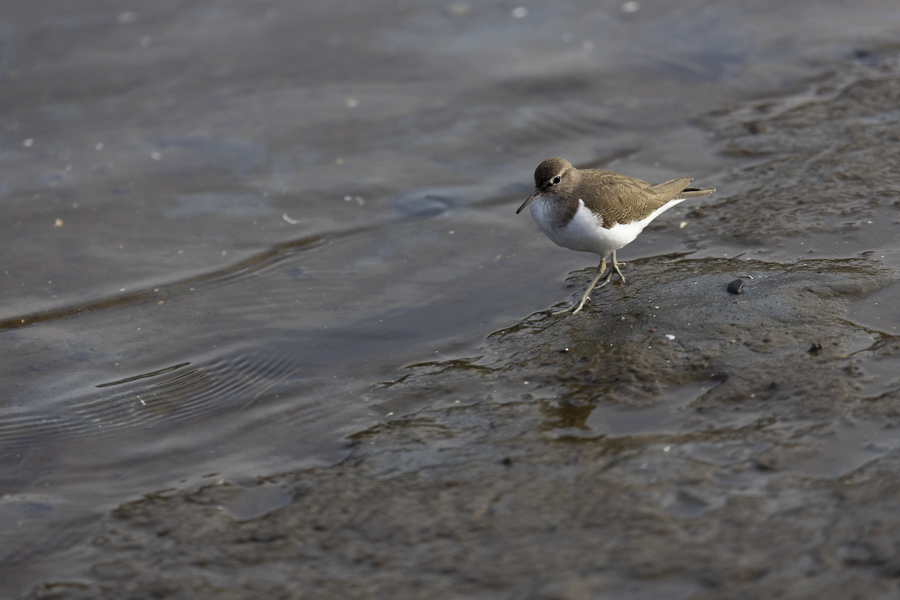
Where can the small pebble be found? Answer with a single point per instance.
(736, 286)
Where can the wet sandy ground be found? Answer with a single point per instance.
(674, 441)
(222, 245)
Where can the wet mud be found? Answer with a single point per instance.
(673, 440)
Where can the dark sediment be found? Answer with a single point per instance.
(672, 441)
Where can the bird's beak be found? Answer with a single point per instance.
(534, 196)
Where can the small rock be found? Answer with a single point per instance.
(736, 286)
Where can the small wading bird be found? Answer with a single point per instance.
(591, 210)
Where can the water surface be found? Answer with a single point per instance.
(228, 225)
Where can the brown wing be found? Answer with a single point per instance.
(622, 199)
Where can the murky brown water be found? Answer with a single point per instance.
(249, 239)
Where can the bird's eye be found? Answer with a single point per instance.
(556, 180)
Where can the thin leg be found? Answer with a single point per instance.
(616, 264)
(600, 269)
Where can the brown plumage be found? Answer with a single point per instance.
(592, 210)
(615, 197)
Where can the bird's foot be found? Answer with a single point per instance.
(608, 279)
(615, 265)
(574, 308)
(587, 294)
(565, 310)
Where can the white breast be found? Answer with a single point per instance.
(585, 232)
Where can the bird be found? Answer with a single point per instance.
(598, 211)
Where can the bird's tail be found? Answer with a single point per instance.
(694, 193)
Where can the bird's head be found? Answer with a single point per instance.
(553, 176)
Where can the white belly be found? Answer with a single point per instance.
(585, 232)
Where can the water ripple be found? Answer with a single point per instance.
(185, 392)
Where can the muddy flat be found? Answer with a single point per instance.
(269, 325)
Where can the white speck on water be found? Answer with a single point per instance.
(155, 155)
(520, 12)
(631, 7)
(670, 336)
(28, 143)
(666, 448)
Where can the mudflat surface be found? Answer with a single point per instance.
(270, 327)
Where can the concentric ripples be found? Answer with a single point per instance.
(185, 393)
(165, 399)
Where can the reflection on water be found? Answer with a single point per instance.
(664, 418)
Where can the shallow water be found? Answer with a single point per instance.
(227, 231)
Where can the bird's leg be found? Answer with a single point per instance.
(616, 264)
(600, 269)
